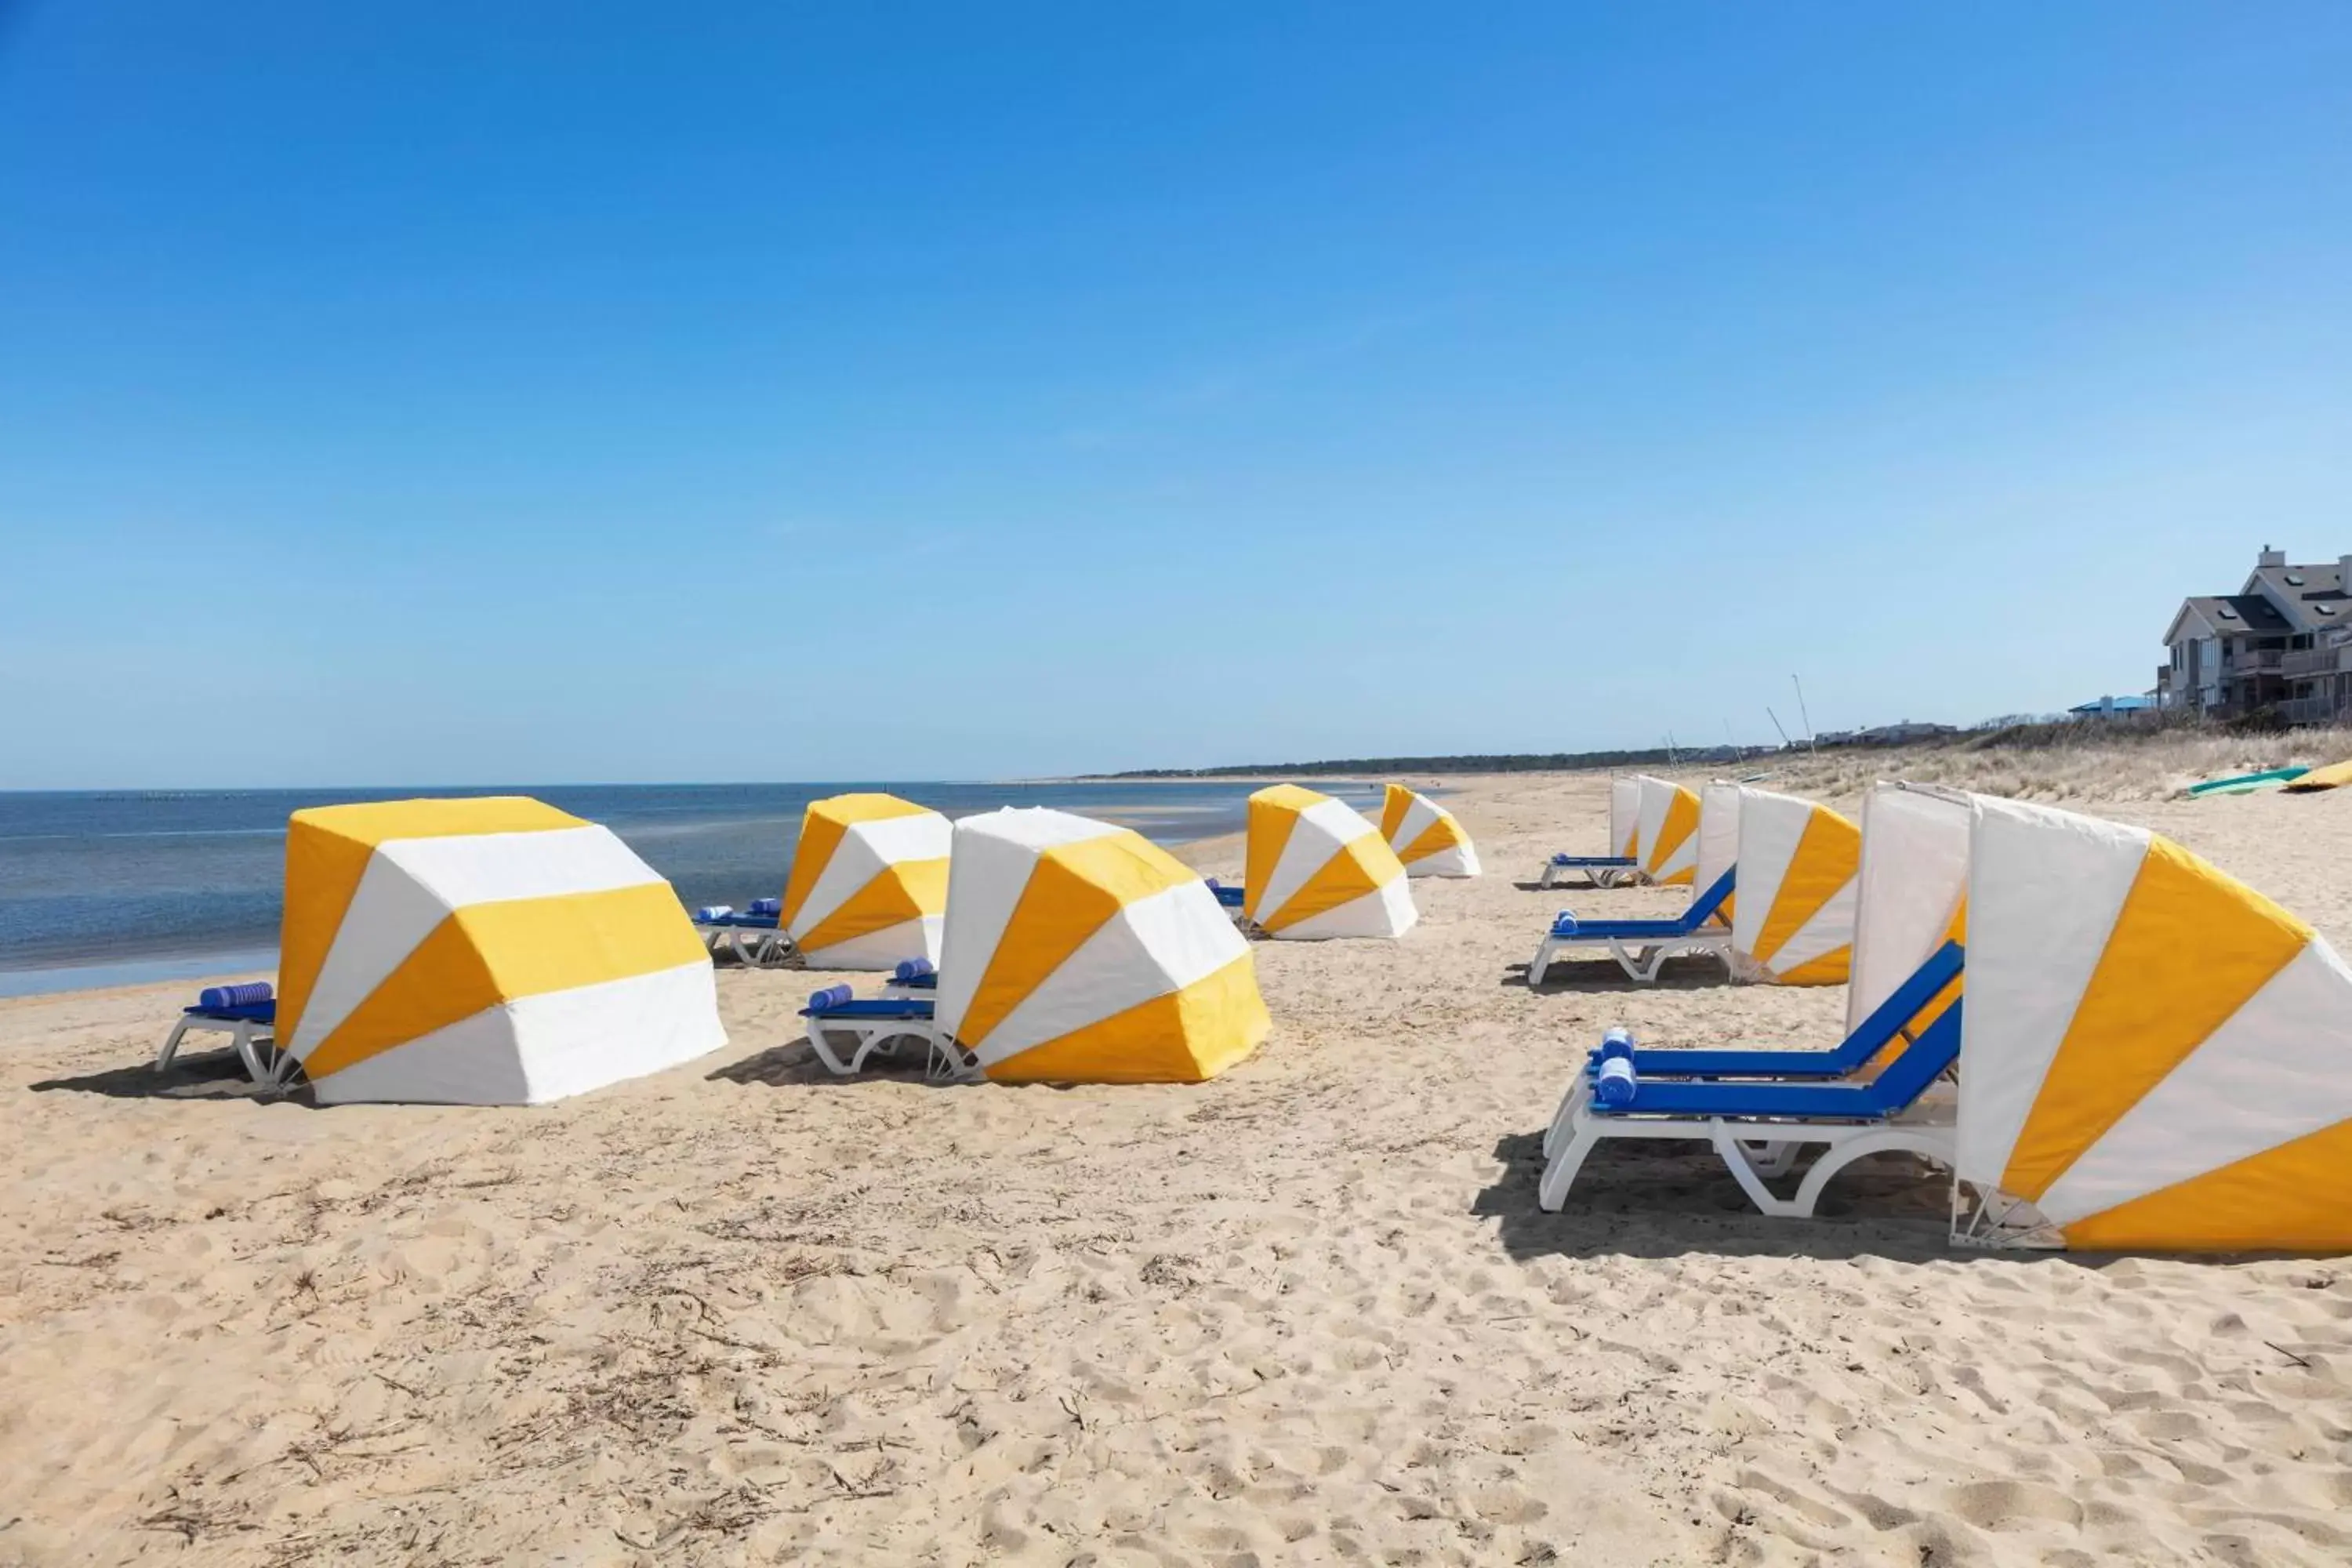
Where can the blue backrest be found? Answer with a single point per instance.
(1922, 1061)
(1704, 907)
(1875, 1033)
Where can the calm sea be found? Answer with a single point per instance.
(112, 887)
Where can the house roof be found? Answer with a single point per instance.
(2234, 612)
(2112, 705)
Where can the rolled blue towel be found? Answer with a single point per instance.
(767, 906)
(832, 996)
(1617, 1043)
(213, 997)
(709, 912)
(913, 969)
(1615, 1083)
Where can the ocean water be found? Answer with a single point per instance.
(114, 887)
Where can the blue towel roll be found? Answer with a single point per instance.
(832, 996)
(913, 969)
(709, 912)
(245, 996)
(1615, 1083)
(1617, 1043)
(767, 906)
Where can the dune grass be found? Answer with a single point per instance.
(2060, 763)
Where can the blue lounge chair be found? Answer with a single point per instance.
(1600, 870)
(844, 1032)
(1757, 1127)
(1642, 947)
(248, 1014)
(754, 935)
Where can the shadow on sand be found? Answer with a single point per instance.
(194, 1075)
(1693, 973)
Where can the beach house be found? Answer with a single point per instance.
(2282, 642)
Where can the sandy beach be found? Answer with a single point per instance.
(745, 1312)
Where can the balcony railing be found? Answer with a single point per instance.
(2311, 710)
(2312, 661)
(2264, 662)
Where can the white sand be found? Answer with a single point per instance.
(1309, 1314)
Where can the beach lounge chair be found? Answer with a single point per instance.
(1895, 1020)
(846, 1032)
(755, 935)
(1642, 947)
(1623, 864)
(1757, 1127)
(248, 1014)
(1598, 870)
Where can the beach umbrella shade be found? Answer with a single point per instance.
(1625, 815)
(1668, 834)
(2154, 1055)
(1316, 869)
(870, 882)
(1428, 838)
(484, 952)
(1080, 952)
(1797, 865)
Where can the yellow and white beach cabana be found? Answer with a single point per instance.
(868, 886)
(2154, 1055)
(482, 951)
(1427, 837)
(1316, 868)
(1080, 952)
(1795, 920)
(1667, 835)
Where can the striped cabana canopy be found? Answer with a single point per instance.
(1316, 868)
(870, 882)
(1080, 952)
(1625, 815)
(2154, 1053)
(1668, 835)
(1428, 838)
(1794, 925)
(482, 952)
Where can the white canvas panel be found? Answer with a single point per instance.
(1151, 947)
(1420, 817)
(1624, 813)
(2278, 1070)
(1454, 860)
(1388, 911)
(1914, 875)
(539, 1048)
(2044, 890)
(1656, 796)
(884, 949)
(1719, 834)
(390, 913)
(490, 867)
(1770, 827)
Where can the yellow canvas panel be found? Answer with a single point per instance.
(1072, 891)
(1681, 822)
(2190, 946)
(908, 890)
(2294, 1197)
(1833, 968)
(1438, 837)
(322, 873)
(1273, 813)
(2333, 776)
(486, 954)
(1730, 906)
(1184, 1036)
(1829, 853)
(820, 836)
(1362, 865)
(384, 821)
(1394, 802)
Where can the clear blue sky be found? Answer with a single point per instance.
(401, 393)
